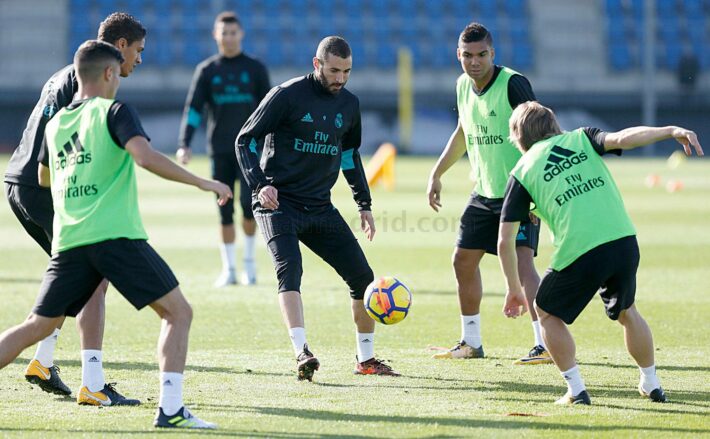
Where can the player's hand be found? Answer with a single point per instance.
(515, 304)
(183, 155)
(434, 193)
(268, 197)
(367, 224)
(534, 219)
(687, 138)
(222, 190)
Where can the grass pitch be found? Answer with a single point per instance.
(241, 372)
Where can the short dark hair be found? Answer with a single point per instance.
(475, 32)
(92, 57)
(333, 45)
(227, 17)
(121, 25)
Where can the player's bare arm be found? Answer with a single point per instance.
(515, 304)
(146, 157)
(634, 137)
(455, 149)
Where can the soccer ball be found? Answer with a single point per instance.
(387, 300)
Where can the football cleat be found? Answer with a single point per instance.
(225, 279)
(581, 398)
(108, 396)
(307, 364)
(461, 351)
(537, 355)
(47, 378)
(373, 366)
(249, 273)
(182, 419)
(656, 395)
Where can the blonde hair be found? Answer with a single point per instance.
(531, 123)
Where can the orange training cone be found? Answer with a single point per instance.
(381, 166)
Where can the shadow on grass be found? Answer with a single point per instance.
(464, 422)
(212, 433)
(135, 365)
(660, 368)
(452, 292)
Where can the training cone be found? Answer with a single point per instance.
(380, 168)
(652, 180)
(674, 186)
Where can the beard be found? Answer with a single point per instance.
(329, 86)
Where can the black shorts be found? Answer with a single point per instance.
(323, 231)
(609, 268)
(225, 169)
(480, 225)
(131, 265)
(33, 207)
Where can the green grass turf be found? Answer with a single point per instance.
(241, 370)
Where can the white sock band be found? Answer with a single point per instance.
(365, 346)
(45, 349)
(471, 330)
(92, 370)
(170, 392)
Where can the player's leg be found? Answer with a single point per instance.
(249, 228)
(618, 294)
(279, 229)
(176, 315)
(66, 286)
(33, 208)
(563, 350)
(90, 324)
(136, 270)
(223, 171)
(16, 339)
(478, 234)
(330, 237)
(526, 247)
(561, 297)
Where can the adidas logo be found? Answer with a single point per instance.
(492, 113)
(367, 340)
(521, 236)
(307, 118)
(561, 159)
(93, 360)
(566, 377)
(72, 153)
(167, 383)
(471, 323)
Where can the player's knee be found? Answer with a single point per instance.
(358, 284)
(629, 315)
(41, 327)
(541, 314)
(462, 263)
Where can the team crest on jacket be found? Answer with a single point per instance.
(338, 120)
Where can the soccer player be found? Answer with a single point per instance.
(595, 247)
(32, 205)
(88, 161)
(486, 95)
(311, 126)
(230, 84)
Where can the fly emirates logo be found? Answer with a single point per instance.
(319, 145)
